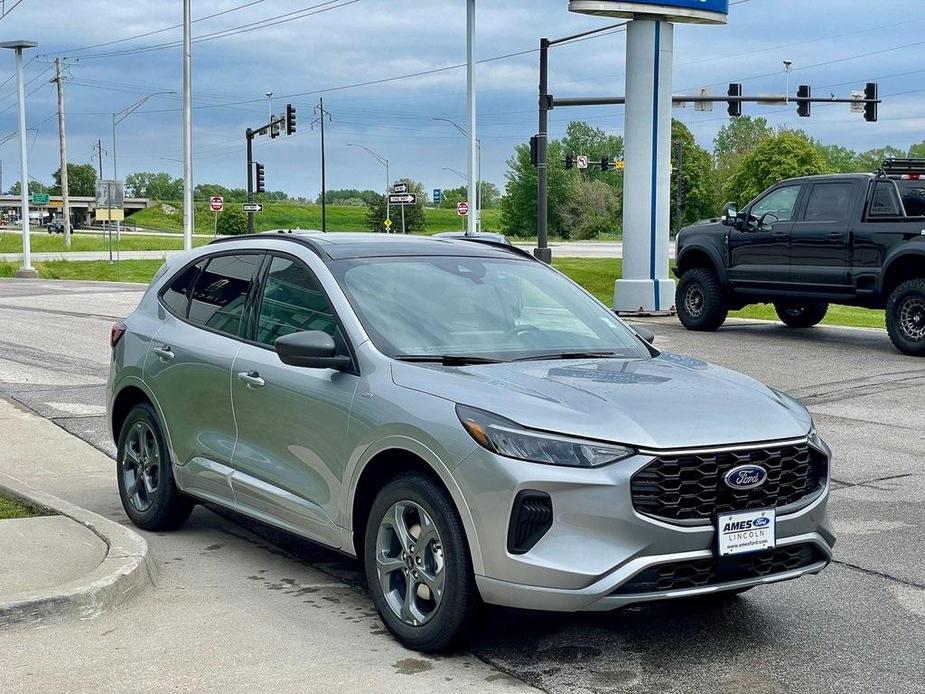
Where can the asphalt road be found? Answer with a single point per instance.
(857, 627)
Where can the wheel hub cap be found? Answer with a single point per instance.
(140, 466)
(694, 300)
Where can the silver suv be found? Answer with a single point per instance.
(464, 419)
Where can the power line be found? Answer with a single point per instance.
(13, 7)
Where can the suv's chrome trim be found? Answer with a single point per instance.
(723, 449)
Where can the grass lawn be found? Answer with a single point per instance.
(276, 215)
(13, 509)
(597, 275)
(54, 243)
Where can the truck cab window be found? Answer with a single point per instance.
(885, 201)
(779, 202)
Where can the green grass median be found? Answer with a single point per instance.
(597, 275)
(10, 508)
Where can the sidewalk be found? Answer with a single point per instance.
(227, 613)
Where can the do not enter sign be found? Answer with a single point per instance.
(216, 203)
(462, 208)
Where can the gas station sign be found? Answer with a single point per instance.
(695, 11)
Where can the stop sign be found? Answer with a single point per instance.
(462, 208)
(217, 203)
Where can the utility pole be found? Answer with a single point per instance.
(99, 154)
(471, 227)
(249, 136)
(62, 150)
(187, 130)
(322, 114)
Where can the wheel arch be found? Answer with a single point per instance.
(384, 461)
(904, 265)
(701, 257)
(126, 396)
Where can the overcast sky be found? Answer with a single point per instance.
(835, 45)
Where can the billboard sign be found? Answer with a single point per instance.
(696, 11)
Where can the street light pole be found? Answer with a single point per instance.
(187, 130)
(388, 181)
(477, 201)
(26, 270)
(470, 108)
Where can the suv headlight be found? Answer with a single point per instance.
(507, 438)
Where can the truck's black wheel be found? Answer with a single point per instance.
(801, 314)
(905, 317)
(700, 300)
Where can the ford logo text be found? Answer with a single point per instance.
(746, 477)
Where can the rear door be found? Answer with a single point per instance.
(189, 365)
(759, 254)
(819, 239)
(292, 421)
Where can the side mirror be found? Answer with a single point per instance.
(311, 349)
(767, 219)
(730, 212)
(645, 333)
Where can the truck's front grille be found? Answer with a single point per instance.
(690, 486)
(697, 573)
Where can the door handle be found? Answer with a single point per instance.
(780, 234)
(836, 235)
(164, 353)
(252, 379)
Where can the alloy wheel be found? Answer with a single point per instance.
(912, 318)
(141, 461)
(694, 301)
(410, 563)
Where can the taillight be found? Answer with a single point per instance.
(116, 333)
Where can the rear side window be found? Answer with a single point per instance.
(292, 302)
(913, 195)
(221, 291)
(828, 202)
(176, 296)
(885, 202)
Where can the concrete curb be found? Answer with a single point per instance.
(124, 573)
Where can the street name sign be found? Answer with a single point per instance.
(40, 198)
(400, 188)
(252, 207)
(403, 199)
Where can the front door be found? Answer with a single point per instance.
(819, 238)
(188, 367)
(759, 252)
(292, 421)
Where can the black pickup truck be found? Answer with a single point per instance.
(805, 243)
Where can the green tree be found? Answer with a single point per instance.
(591, 208)
(701, 199)
(232, 221)
(414, 214)
(784, 155)
(81, 180)
(347, 196)
(840, 159)
(156, 186)
(490, 195)
(518, 206)
(872, 159)
(918, 151)
(34, 187)
(451, 196)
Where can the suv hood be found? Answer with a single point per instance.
(665, 402)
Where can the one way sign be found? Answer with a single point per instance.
(403, 199)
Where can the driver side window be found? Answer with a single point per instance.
(779, 202)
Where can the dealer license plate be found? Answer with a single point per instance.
(748, 531)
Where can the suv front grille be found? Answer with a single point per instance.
(690, 486)
(697, 573)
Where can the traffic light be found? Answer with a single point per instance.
(870, 107)
(261, 186)
(569, 161)
(682, 189)
(735, 107)
(804, 105)
(534, 150)
(274, 130)
(290, 119)
(605, 163)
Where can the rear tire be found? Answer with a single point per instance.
(144, 472)
(905, 317)
(700, 300)
(801, 314)
(438, 566)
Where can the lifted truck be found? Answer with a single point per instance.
(805, 243)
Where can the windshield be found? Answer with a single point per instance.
(483, 308)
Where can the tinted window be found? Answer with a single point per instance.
(885, 202)
(293, 302)
(176, 296)
(779, 202)
(221, 291)
(913, 195)
(828, 202)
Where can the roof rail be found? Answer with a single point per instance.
(511, 248)
(296, 238)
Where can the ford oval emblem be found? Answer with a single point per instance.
(761, 522)
(746, 477)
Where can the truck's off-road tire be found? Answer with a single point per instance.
(147, 488)
(700, 300)
(905, 317)
(801, 314)
(414, 537)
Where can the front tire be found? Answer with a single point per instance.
(905, 317)
(801, 314)
(701, 303)
(417, 564)
(147, 488)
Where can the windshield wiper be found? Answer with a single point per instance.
(570, 355)
(447, 359)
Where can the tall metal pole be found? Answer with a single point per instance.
(388, 207)
(62, 151)
(249, 134)
(99, 154)
(542, 250)
(470, 108)
(187, 131)
(26, 270)
(324, 202)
